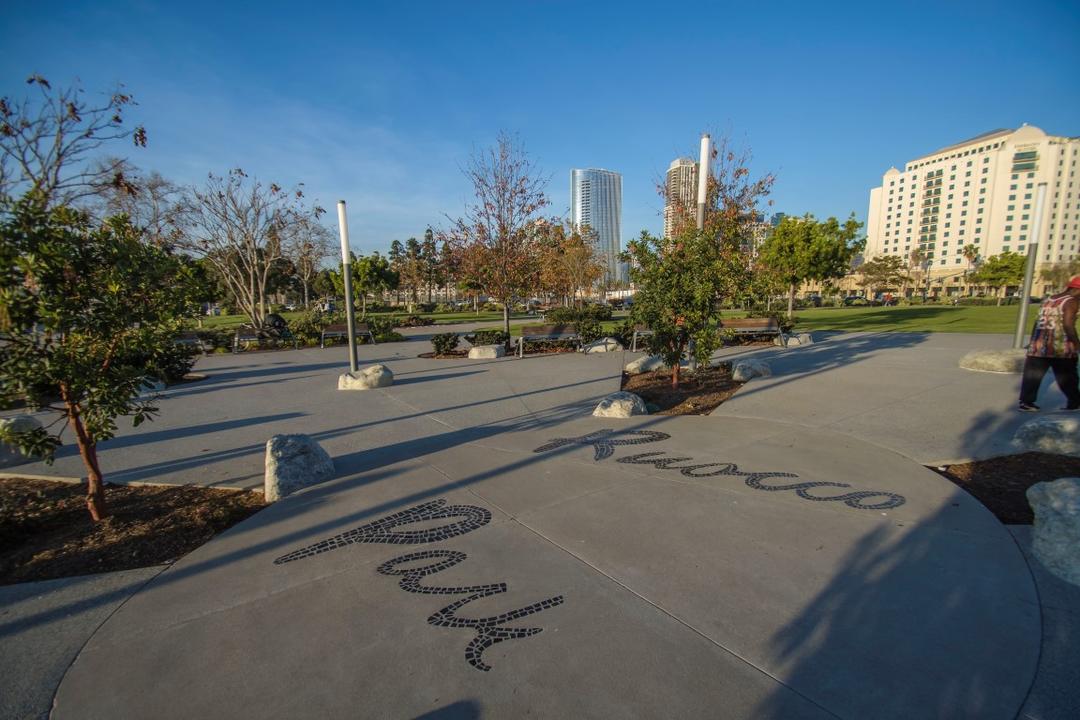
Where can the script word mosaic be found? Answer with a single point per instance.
(413, 567)
(605, 441)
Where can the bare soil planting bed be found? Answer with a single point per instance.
(699, 393)
(46, 531)
(1000, 483)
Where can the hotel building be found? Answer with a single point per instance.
(979, 192)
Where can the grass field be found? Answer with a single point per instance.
(221, 322)
(916, 318)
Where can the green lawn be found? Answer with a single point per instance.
(915, 318)
(232, 321)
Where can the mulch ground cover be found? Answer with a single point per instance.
(452, 355)
(699, 393)
(1000, 483)
(46, 531)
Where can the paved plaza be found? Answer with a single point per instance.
(489, 549)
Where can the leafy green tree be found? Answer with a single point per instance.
(679, 282)
(429, 261)
(87, 312)
(371, 274)
(1060, 273)
(883, 272)
(801, 249)
(1001, 271)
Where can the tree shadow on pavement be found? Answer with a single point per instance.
(921, 622)
(837, 351)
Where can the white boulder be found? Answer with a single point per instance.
(1056, 540)
(294, 462)
(486, 352)
(1053, 434)
(608, 344)
(645, 364)
(748, 369)
(621, 405)
(999, 361)
(10, 454)
(373, 376)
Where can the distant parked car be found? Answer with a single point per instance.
(814, 300)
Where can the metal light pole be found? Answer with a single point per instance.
(350, 317)
(1029, 270)
(703, 180)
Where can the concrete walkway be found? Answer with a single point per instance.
(489, 550)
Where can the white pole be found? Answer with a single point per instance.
(1029, 270)
(350, 318)
(703, 180)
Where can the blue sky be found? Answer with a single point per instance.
(380, 103)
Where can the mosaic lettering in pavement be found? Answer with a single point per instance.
(489, 630)
(605, 441)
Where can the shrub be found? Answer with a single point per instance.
(445, 343)
(588, 330)
(425, 307)
(307, 328)
(171, 362)
(413, 321)
(443, 308)
(624, 333)
(487, 337)
(390, 336)
(380, 326)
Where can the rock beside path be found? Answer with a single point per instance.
(608, 344)
(372, 376)
(999, 361)
(795, 340)
(1053, 434)
(486, 352)
(1056, 540)
(621, 405)
(11, 455)
(294, 462)
(645, 364)
(745, 370)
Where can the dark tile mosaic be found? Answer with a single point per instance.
(414, 567)
(604, 442)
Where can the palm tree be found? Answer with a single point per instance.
(915, 261)
(971, 254)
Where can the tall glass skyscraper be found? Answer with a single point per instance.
(596, 201)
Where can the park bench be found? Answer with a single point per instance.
(546, 333)
(190, 339)
(640, 331)
(342, 331)
(754, 326)
(251, 335)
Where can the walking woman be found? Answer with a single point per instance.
(1054, 344)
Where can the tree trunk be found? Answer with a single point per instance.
(306, 299)
(363, 305)
(506, 322)
(476, 304)
(675, 371)
(791, 301)
(95, 488)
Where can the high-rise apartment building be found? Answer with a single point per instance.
(596, 201)
(680, 199)
(980, 192)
